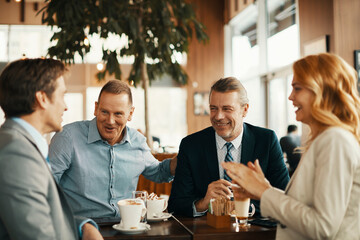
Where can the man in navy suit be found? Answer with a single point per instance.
(199, 175)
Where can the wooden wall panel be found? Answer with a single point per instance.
(234, 7)
(338, 18)
(315, 20)
(347, 28)
(10, 13)
(205, 63)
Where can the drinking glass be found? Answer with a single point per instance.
(241, 205)
(143, 196)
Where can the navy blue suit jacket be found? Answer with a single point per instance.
(198, 165)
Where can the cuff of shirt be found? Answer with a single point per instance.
(82, 224)
(196, 213)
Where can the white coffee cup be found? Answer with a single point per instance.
(131, 211)
(155, 207)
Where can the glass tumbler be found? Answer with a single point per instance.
(143, 196)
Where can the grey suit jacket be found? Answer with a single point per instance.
(31, 204)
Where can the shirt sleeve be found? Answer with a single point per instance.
(60, 153)
(82, 224)
(196, 213)
(155, 170)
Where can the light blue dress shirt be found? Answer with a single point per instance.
(95, 175)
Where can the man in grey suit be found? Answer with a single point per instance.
(32, 205)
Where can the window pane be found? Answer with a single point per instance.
(3, 43)
(167, 118)
(2, 117)
(283, 48)
(92, 94)
(255, 92)
(283, 40)
(245, 58)
(74, 102)
(277, 106)
(33, 41)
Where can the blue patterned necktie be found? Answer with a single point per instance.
(228, 158)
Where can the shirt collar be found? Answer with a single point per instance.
(126, 137)
(40, 141)
(236, 142)
(94, 134)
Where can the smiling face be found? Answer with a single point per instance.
(112, 113)
(302, 99)
(227, 114)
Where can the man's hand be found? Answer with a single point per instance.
(249, 177)
(215, 189)
(173, 164)
(90, 232)
(240, 193)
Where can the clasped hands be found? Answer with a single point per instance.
(250, 178)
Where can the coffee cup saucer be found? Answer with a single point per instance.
(143, 227)
(158, 217)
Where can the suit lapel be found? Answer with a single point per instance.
(210, 150)
(247, 145)
(14, 125)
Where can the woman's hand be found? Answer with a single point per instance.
(250, 177)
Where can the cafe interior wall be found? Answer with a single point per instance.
(205, 63)
(340, 19)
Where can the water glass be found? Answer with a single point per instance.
(143, 196)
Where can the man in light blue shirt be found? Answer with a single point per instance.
(99, 162)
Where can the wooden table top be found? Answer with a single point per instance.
(170, 229)
(201, 231)
(189, 228)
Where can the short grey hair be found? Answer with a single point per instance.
(117, 87)
(230, 84)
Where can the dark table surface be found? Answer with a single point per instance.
(170, 229)
(200, 230)
(189, 228)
